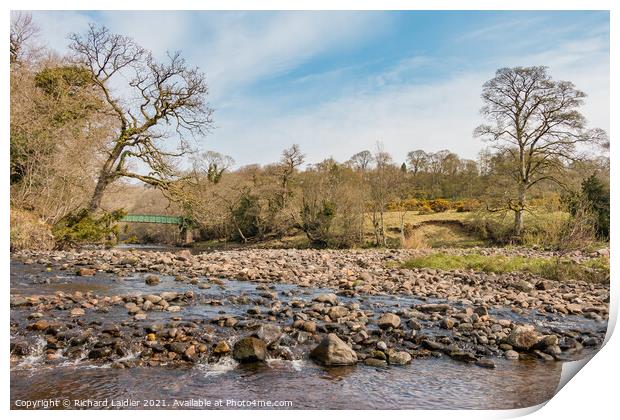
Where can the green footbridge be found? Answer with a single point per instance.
(185, 224)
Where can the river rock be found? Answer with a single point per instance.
(99, 353)
(249, 349)
(434, 307)
(511, 355)
(547, 341)
(371, 361)
(523, 337)
(86, 272)
(330, 298)
(463, 356)
(269, 333)
(151, 280)
(221, 348)
(523, 286)
(399, 357)
(544, 285)
(336, 312)
(388, 320)
(75, 312)
(486, 363)
(332, 351)
(168, 296)
(309, 326)
(481, 310)
(447, 323)
(40, 325)
(152, 298)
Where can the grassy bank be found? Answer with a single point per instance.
(593, 270)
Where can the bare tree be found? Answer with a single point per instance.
(212, 165)
(23, 30)
(361, 160)
(160, 96)
(291, 159)
(418, 161)
(535, 121)
(380, 190)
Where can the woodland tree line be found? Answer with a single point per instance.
(76, 136)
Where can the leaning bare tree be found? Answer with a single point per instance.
(150, 103)
(534, 122)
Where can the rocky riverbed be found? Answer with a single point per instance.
(134, 309)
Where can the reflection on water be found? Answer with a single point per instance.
(425, 384)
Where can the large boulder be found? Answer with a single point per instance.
(523, 337)
(250, 349)
(332, 351)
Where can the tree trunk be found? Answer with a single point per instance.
(518, 223)
(518, 228)
(375, 227)
(95, 201)
(106, 175)
(402, 229)
(383, 238)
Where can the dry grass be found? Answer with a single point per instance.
(29, 232)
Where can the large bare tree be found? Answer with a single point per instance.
(535, 122)
(361, 160)
(153, 104)
(418, 161)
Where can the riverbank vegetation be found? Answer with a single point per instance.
(593, 270)
(81, 156)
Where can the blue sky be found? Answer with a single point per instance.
(339, 82)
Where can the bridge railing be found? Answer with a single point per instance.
(151, 218)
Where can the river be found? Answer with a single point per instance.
(426, 383)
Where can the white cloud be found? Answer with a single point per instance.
(242, 49)
(431, 116)
(56, 27)
(237, 49)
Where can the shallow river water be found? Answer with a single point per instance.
(433, 383)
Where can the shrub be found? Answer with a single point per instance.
(463, 206)
(425, 209)
(84, 227)
(317, 220)
(596, 195)
(439, 205)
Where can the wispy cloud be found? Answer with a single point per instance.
(269, 92)
(244, 48)
(406, 116)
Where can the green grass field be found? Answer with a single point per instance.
(593, 270)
